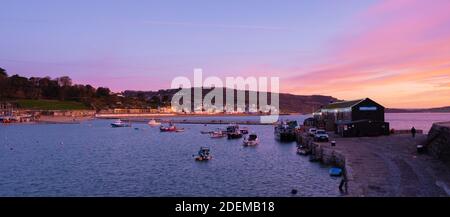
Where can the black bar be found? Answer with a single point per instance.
(233, 206)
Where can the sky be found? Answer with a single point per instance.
(396, 52)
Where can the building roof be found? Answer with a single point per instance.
(343, 104)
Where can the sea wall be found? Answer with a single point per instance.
(322, 152)
(438, 141)
(328, 155)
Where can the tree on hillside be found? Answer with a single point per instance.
(166, 100)
(89, 91)
(64, 81)
(3, 81)
(141, 96)
(50, 88)
(3, 73)
(61, 88)
(103, 92)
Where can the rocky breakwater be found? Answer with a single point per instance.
(438, 141)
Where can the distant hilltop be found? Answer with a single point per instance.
(289, 103)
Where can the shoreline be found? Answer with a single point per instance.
(149, 115)
(62, 120)
(46, 119)
(78, 119)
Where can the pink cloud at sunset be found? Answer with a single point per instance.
(396, 52)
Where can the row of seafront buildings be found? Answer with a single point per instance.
(363, 117)
(11, 113)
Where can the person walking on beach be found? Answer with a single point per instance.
(413, 132)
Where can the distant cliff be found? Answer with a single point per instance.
(289, 103)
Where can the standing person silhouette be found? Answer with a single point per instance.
(343, 186)
(413, 132)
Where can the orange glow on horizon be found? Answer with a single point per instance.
(402, 60)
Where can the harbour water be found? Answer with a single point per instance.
(93, 159)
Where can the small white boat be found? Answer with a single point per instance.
(120, 123)
(217, 134)
(153, 123)
(251, 140)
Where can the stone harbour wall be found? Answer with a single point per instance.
(438, 141)
(328, 155)
(388, 166)
(322, 152)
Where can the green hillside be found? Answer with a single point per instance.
(50, 105)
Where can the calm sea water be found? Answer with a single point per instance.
(422, 121)
(93, 159)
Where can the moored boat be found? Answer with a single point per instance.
(170, 128)
(120, 123)
(5, 120)
(203, 154)
(233, 132)
(217, 134)
(251, 140)
(153, 123)
(285, 130)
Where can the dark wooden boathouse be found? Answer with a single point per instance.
(354, 118)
